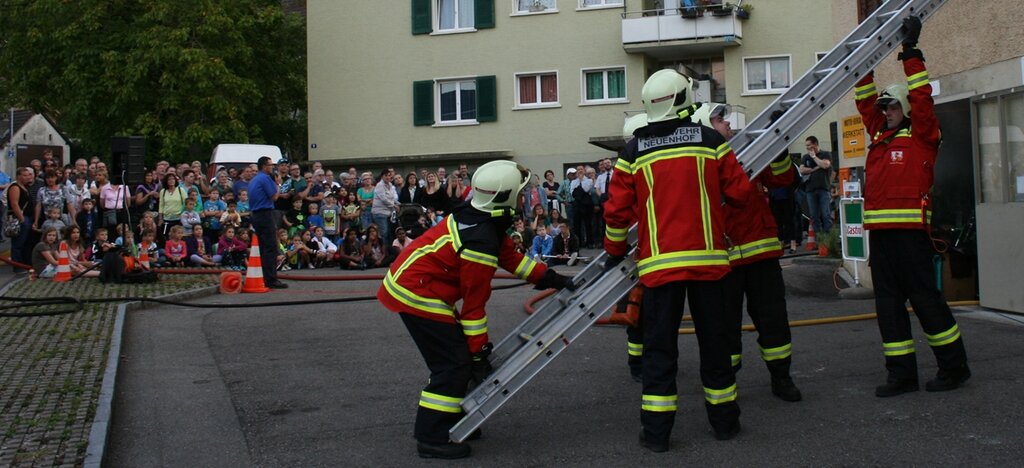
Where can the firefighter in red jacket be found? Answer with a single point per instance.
(756, 274)
(456, 260)
(671, 180)
(897, 209)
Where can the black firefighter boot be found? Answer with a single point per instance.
(446, 451)
(782, 384)
(948, 379)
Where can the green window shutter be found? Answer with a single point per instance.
(486, 99)
(421, 18)
(423, 102)
(483, 14)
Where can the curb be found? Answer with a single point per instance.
(96, 449)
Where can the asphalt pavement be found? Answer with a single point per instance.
(337, 384)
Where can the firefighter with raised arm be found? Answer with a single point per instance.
(456, 260)
(671, 180)
(756, 273)
(899, 173)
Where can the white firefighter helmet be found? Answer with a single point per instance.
(707, 110)
(496, 185)
(666, 93)
(633, 123)
(896, 93)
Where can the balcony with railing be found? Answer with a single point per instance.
(666, 33)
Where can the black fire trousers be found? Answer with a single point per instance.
(765, 292)
(661, 312)
(444, 349)
(902, 268)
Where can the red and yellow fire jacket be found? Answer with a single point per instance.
(900, 167)
(455, 260)
(752, 229)
(671, 180)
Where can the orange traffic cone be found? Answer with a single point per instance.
(63, 264)
(812, 244)
(230, 282)
(144, 255)
(254, 273)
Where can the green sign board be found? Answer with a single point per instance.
(854, 237)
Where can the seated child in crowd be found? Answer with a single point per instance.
(175, 248)
(232, 250)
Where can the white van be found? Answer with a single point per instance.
(239, 156)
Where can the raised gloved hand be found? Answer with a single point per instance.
(912, 29)
(551, 279)
(612, 261)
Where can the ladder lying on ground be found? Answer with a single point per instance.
(563, 318)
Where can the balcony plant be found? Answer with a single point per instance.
(720, 9)
(743, 10)
(537, 6)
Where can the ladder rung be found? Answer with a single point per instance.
(525, 337)
(789, 103)
(824, 72)
(855, 44)
(887, 15)
(756, 132)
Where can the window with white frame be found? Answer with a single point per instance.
(454, 14)
(457, 99)
(599, 3)
(766, 74)
(535, 6)
(537, 89)
(604, 85)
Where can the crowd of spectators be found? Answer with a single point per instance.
(352, 220)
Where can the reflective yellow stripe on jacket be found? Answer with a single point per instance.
(780, 167)
(474, 327)
(917, 80)
(424, 304)
(407, 297)
(863, 92)
(615, 234)
(682, 259)
(525, 267)
(903, 215)
(751, 249)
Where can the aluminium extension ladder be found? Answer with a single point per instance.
(564, 317)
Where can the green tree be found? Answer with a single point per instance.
(187, 74)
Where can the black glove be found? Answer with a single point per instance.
(612, 261)
(551, 279)
(912, 28)
(480, 368)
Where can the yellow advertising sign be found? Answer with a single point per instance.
(854, 137)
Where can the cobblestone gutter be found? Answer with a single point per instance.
(52, 367)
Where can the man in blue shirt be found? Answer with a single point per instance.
(262, 193)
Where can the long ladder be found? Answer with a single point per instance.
(540, 338)
(821, 87)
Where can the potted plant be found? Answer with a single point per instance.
(721, 9)
(537, 6)
(743, 10)
(829, 243)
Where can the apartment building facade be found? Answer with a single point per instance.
(547, 83)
